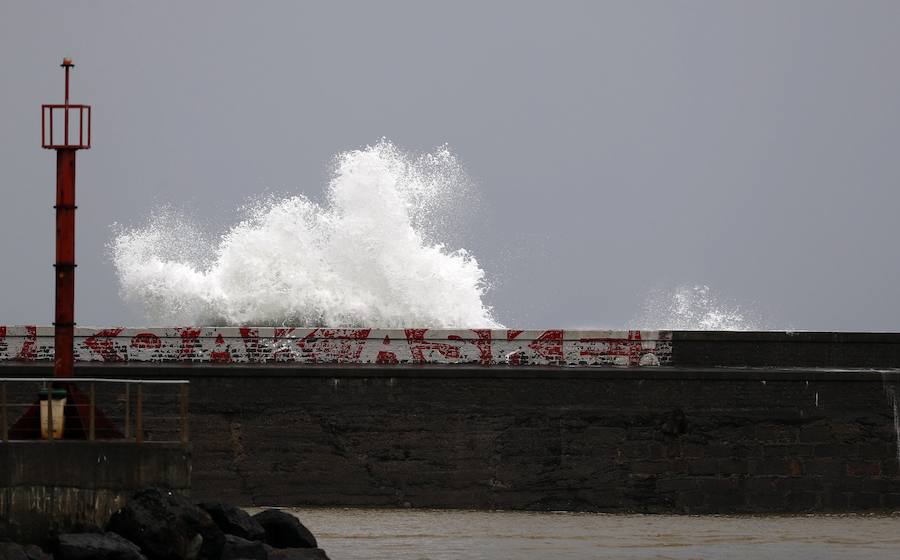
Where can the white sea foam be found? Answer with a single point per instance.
(693, 308)
(370, 255)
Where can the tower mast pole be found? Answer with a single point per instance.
(64, 316)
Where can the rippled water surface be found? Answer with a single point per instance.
(440, 534)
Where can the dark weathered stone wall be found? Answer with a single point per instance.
(46, 486)
(660, 440)
(551, 440)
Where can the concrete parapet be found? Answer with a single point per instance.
(362, 346)
(483, 347)
(786, 349)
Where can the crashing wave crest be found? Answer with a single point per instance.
(367, 256)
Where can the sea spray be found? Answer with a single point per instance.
(693, 308)
(370, 255)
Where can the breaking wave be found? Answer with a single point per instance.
(369, 255)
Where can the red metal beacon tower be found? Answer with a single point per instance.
(73, 135)
(65, 128)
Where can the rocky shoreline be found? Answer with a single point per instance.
(158, 524)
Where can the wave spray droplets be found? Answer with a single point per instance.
(366, 257)
(693, 308)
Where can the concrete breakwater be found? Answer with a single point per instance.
(654, 421)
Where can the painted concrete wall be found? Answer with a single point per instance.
(346, 346)
(515, 348)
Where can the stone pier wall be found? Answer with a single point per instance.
(661, 440)
(677, 441)
(727, 423)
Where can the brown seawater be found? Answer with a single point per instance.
(414, 534)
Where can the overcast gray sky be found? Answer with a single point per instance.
(618, 147)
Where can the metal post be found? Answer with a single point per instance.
(92, 430)
(64, 318)
(139, 418)
(65, 263)
(184, 414)
(127, 411)
(67, 64)
(50, 412)
(3, 431)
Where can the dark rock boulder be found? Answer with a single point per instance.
(237, 548)
(167, 526)
(298, 554)
(93, 546)
(283, 530)
(12, 551)
(82, 528)
(34, 552)
(234, 521)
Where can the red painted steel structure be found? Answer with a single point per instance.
(65, 219)
(81, 418)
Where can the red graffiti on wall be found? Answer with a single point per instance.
(26, 353)
(189, 341)
(350, 345)
(484, 345)
(145, 341)
(386, 356)
(452, 349)
(102, 343)
(514, 358)
(549, 346)
(221, 354)
(630, 348)
(282, 350)
(251, 344)
(333, 345)
(418, 345)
